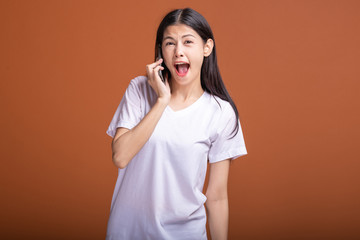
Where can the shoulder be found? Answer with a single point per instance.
(140, 89)
(139, 85)
(220, 107)
(138, 82)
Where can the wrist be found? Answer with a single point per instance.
(163, 101)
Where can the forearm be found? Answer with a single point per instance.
(218, 218)
(129, 144)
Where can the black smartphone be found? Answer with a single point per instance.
(160, 56)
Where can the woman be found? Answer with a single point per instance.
(164, 132)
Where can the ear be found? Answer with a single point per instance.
(208, 47)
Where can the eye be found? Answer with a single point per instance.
(169, 43)
(188, 41)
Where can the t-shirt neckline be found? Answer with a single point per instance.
(191, 106)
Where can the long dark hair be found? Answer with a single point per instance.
(211, 80)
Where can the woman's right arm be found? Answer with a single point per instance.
(127, 143)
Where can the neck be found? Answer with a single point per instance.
(184, 92)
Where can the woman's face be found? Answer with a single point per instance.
(183, 53)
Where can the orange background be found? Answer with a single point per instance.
(292, 68)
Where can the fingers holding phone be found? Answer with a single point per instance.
(160, 86)
(159, 56)
(153, 70)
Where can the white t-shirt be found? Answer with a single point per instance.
(159, 194)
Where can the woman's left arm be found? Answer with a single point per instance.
(217, 200)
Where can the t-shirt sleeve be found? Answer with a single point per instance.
(128, 113)
(226, 145)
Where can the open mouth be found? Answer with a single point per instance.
(182, 68)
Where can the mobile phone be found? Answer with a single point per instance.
(160, 56)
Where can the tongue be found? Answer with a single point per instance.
(183, 68)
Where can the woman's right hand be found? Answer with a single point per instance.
(162, 89)
(128, 142)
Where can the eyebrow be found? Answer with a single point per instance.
(184, 36)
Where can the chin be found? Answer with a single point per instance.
(185, 80)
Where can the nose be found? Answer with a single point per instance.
(179, 51)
